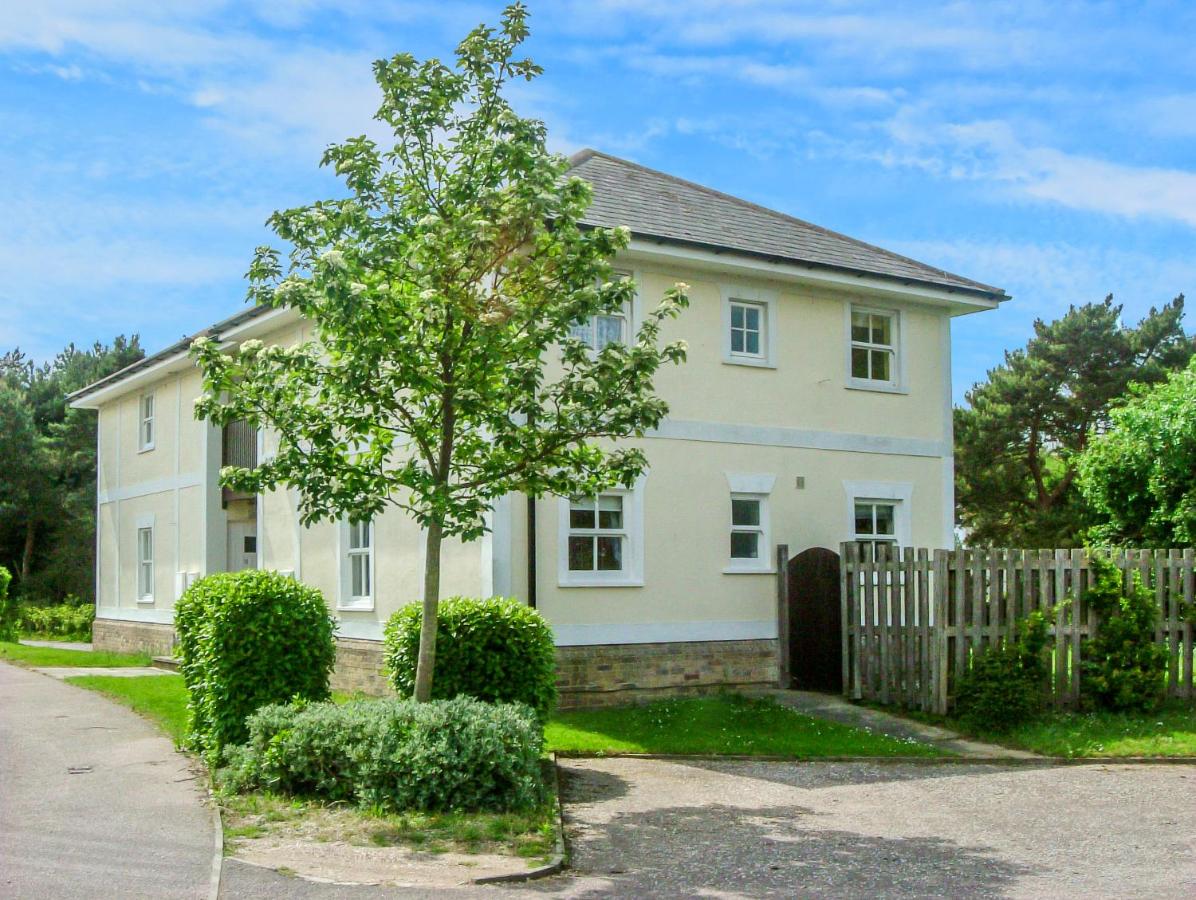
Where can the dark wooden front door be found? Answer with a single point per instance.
(815, 621)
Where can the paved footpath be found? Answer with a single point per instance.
(129, 823)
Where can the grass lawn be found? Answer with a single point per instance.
(1170, 731)
(56, 656)
(161, 698)
(249, 817)
(722, 724)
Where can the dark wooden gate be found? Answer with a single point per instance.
(815, 621)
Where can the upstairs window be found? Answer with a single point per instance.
(747, 329)
(145, 422)
(873, 347)
(601, 330)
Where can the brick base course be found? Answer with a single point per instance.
(133, 637)
(603, 675)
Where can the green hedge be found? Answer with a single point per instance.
(245, 640)
(1007, 686)
(9, 612)
(457, 754)
(70, 620)
(497, 650)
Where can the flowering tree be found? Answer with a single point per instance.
(444, 371)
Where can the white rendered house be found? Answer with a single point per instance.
(815, 408)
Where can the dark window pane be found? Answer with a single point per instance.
(880, 365)
(737, 316)
(745, 512)
(859, 363)
(884, 518)
(863, 518)
(610, 554)
(752, 318)
(581, 554)
(736, 341)
(745, 545)
(250, 543)
(859, 326)
(581, 518)
(752, 344)
(881, 330)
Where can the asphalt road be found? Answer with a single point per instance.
(94, 802)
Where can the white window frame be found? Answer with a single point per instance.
(896, 384)
(766, 300)
(345, 555)
(629, 325)
(750, 486)
(898, 493)
(632, 574)
(146, 568)
(146, 424)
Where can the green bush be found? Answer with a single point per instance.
(1122, 667)
(459, 754)
(245, 640)
(497, 650)
(9, 610)
(1006, 686)
(69, 621)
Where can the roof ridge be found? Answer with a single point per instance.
(589, 153)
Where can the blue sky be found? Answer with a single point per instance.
(1046, 148)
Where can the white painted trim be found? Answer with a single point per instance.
(763, 297)
(178, 466)
(157, 486)
(750, 483)
(948, 536)
(97, 575)
(776, 436)
(727, 261)
(125, 614)
(181, 361)
(259, 511)
(499, 571)
(663, 632)
(633, 574)
(898, 385)
(360, 630)
(900, 492)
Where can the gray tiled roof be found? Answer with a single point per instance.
(655, 205)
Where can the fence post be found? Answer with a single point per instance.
(783, 662)
(938, 641)
(847, 625)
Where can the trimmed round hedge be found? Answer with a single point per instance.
(497, 650)
(245, 640)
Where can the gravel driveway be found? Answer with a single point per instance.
(652, 828)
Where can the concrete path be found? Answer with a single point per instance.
(655, 828)
(94, 802)
(835, 708)
(62, 672)
(60, 645)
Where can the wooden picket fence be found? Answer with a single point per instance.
(913, 619)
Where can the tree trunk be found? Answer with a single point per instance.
(27, 554)
(427, 626)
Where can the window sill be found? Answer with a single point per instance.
(734, 569)
(145, 449)
(749, 361)
(355, 607)
(145, 601)
(583, 582)
(876, 387)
